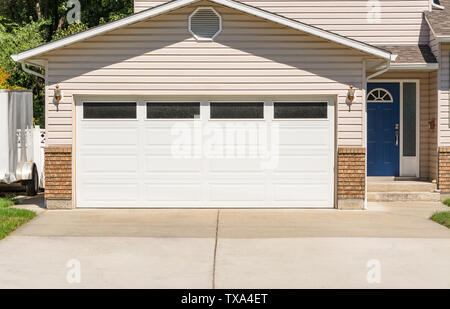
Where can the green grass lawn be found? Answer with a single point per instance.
(11, 218)
(442, 217)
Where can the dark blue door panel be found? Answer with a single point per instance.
(382, 119)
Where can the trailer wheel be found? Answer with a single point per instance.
(32, 186)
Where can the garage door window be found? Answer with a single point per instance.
(301, 110)
(109, 110)
(173, 110)
(237, 110)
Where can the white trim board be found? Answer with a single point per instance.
(415, 66)
(167, 7)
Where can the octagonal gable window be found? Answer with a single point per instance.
(205, 23)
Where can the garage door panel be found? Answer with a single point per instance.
(288, 151)
(169, 134)
(301, 192)
(318, 164)
(168, 164)
(98, 137)
(98, 164)
(235, 165)
(172, 178)
(109, 192)
(303, 137)
(171, 192)
(237, 193)
(175, 152)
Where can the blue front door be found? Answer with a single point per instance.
(383, 128)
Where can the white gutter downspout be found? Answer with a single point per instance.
(437, 6)
(27, 70)
(388, 66)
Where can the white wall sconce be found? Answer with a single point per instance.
(58, 94)
(57, 97)
(351, 95)
(432, 124)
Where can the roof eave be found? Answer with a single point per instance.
(101, 29)
(443, 38)
(415, 66)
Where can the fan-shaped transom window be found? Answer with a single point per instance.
(205, 23)
(380, 95)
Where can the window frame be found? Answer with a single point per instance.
(262, 102)
(173, 119)
(326, 101)
(106, 101)
(382, 101)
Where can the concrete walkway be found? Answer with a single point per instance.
(230, 249)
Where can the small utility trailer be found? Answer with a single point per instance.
(17, 158)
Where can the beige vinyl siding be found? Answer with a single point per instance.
(250, 58)
(428, 107)
(444, 84)
(401, 21)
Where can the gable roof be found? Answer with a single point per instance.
(175, 4)
(439, 21)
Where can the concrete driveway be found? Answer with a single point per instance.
(395, 245)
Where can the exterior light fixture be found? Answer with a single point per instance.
(351, 94)
(58, 94)
(432, 124)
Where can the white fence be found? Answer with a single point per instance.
(34, 149)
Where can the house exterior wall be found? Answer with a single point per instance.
(428, 111)
(444, 85)
(159, 57)
(400, 21)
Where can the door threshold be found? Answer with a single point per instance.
(392, 178)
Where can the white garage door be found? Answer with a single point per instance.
(205, 153)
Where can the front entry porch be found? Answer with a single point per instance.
(416, 134)
(398, 189)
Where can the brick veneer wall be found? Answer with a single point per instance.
(58, 173)
(444, 170)
(351, 187)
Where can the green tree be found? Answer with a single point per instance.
(25, 24)
(14, 39)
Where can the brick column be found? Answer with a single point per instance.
(58, 177)
(351, 188)
(444, 172)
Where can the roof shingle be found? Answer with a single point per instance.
(440, 19)
(411, 53)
